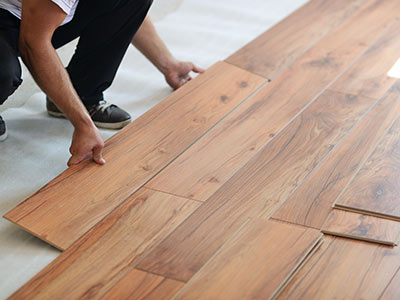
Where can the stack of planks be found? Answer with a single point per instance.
(221, 191)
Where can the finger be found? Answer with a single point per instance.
(75, 159)
(197, 69)
(98, 155)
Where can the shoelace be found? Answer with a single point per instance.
(103, 105)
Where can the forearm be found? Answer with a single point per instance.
(48, 71)
(149, 43)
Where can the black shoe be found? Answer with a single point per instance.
(3, 130)
(103, 114)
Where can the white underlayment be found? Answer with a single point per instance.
(37, 148)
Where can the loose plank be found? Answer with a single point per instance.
(345, 269)
(71, 204)
(99, 260)
(312, 202)
(260, 186)
(361, 227)
(140, 285)
(275, 50)
(215, 158)
(393, 289)
(254, 264)
(375, 190)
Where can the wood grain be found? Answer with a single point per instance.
(369, 76)
(254, 264)
(362, 227)
(140, 285)
(99, 260)
(375, 190)
(274, 51)
(219, 154)
(393, 289)
(312, 202)
(260, 186)
(74, 202)
(345, 269)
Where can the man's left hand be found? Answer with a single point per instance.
(177, 73)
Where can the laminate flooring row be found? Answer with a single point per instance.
(298, 118)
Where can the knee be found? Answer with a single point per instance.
(10, 77)
(8, 84)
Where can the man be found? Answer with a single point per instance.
(34, 28)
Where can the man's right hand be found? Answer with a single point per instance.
(86, 143)
(40, 18)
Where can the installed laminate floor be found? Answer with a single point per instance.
(278, 130)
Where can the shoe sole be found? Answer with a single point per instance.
(118, 125)
(56, 114)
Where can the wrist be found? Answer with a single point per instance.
(83, 123)
(167, 64)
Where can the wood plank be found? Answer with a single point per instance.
(345, 269)
(275, 50)
(166, 290)
(393, 289)
(312, 202)
(375, 190)
(369, 76)
(140, 285)
(362, 227)
(99, 260)
(71, 204)
(254, 264)
(219, 154)
(259, 188)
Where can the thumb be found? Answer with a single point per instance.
(98, 156)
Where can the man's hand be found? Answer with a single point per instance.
(86, 142)
(40, 18)
(178, 73)
(150, 44)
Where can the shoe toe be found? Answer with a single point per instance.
(118, 115)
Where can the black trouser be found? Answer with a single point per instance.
(105, 29)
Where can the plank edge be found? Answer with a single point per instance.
(316, 245)
(354, 237)
(366, 212)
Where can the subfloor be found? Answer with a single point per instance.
(37, 148)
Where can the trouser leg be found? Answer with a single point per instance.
(10, 68)
(106, 29)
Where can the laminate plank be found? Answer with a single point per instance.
(369, 76)
(274, 51)
(219, 154)
(361, 227)
(312, 202)
(254, 264)
(66, 208)
(260, 186)
(166, 290)
(344, 269)
(375, 188)
(140, 285)
(103, 257)
(393, 289)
